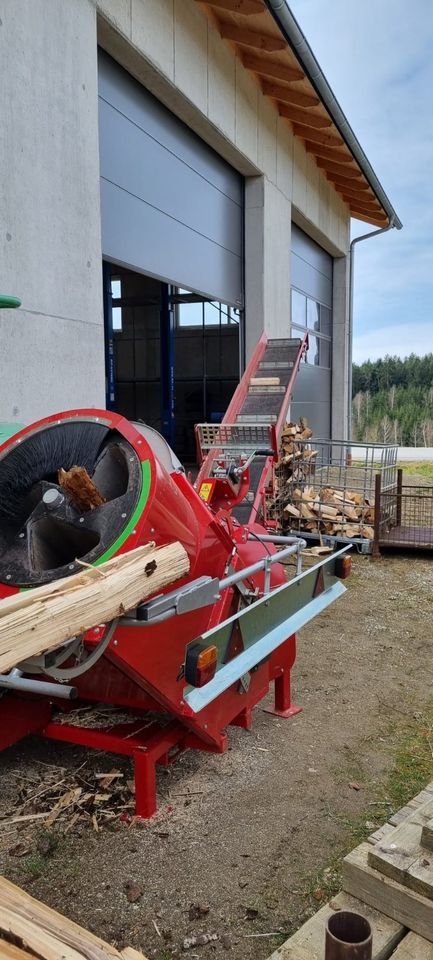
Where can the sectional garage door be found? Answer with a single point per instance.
(170, 206)
(312, 310)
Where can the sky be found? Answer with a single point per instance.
(377, 56)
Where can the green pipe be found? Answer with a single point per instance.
(9, 302)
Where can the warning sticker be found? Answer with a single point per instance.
(205, 491)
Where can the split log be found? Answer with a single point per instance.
(325, 510)
(291, 511)
(43, 618)
(265, 382)
(42, 932)
(306, 512)
(80, 489)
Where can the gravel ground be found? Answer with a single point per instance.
(244, 834)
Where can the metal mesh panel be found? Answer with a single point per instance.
(234, 437)
(406, 517)
(319, 466)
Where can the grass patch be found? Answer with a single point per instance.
(413, 760)
(35, 865)
(418, 468)
(411, 749)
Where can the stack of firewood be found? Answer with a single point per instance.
(296, 461)
(303, 502)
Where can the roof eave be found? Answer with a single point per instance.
(298, 43)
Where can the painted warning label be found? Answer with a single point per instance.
(205, 491)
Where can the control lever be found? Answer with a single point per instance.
(236, 472)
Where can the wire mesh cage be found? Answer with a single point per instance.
(405, 514)
(327, 487)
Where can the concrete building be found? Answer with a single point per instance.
(176, 177)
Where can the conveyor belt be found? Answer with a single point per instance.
(268, 405)
(255, 407)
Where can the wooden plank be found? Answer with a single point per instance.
(251, 38)
(265, 382)
(48, 934)
(309, 941)
(366, 211)
(400, 903)
(370, 218)
(310, 119)
(401, 856)
(43, 618)
(330, 153)
(289, 95)
(369, 206)
(353, 193)
(382, 834)
(9, 952)
(337, 178)
(307, 133)
(427, 835)
(245, 7)
(271, 68)
(352, 173)
(413, 947)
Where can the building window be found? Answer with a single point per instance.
(116, 309)
(197, 313)
(308, 314)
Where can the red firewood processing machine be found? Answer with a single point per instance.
(198, 657)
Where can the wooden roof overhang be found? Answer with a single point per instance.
(250, 29)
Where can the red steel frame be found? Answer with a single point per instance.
(139, 668)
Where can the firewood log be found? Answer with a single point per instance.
(291, 511)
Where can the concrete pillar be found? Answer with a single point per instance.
(267, 261)
(340, 349)
(52, 349)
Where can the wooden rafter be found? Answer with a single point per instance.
(329, 153)
(245, 7)
(288, 94)
(346, 181)
(369, 207)
(307, 133)
(353, 194)
(351, 173)
(278, 72)
(251, 38)
(271, 68)
(362, 214)
(297, 115)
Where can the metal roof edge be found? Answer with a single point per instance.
(302, 50)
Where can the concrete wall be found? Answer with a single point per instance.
(172, 48)
(51, 350)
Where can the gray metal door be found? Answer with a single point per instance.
(170, 206)
(311, 309)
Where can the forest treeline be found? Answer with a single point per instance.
(393, 401)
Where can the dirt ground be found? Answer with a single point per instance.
(247, 833)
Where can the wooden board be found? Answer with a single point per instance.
(427, 835)
(47, 934)
(308, 943)
(413, 947)
(401, 855)
(42, 618)
(398, 902)
(265, 382)
(9, 952)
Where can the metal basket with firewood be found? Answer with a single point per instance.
(325, 488)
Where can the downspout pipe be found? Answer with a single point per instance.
(297, 41)
(364, 236)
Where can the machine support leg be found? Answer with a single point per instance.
(244, 719)
(283, 702)
(145, 784)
